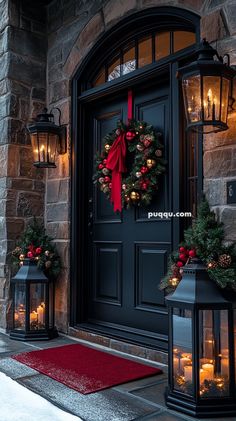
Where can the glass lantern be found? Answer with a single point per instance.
(206, 85)
(201, 347)
(47, 138)
(33, 304)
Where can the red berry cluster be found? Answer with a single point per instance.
(33, 251)
(184, 255)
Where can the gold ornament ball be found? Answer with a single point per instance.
(174, 282)
(22, 256)
(151, 163)
(135, 196)
(107, 147)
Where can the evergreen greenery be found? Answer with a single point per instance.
(144, 145)
(206, 238)
(37, 245)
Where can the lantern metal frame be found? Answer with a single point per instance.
(205, 65)
(197, 292)
(44, 123)
(29, 274)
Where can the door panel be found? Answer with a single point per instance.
(128, 252)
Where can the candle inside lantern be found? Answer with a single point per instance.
(33, 317)
(40, 312)
(176, 364)
(42, 154)
(188, 373)
(209, 368)
(185, 360)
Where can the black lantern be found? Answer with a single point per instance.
(201, 347)
(47, 138)
(207, 86)
(33, 304)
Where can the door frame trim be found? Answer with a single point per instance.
(80, 104)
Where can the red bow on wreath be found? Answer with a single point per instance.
(116, 160)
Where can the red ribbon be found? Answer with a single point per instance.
(116, 163)
(116, 160)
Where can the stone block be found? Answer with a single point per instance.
(55, 16)
(230, 10)
(68, 11)
(59, 90)
(3, 161)
(25, 23)
(15, 227)
(9, 106)
(192, 4)
(228, 45)
(39, 186)
(122, 7)
(227, 137)
(59, 230)
(33, 13)
(21, 184)
(62, 170)
(63, 251)
(57, 191)
(11, 203)
(38, 27)
(4, 13)
(18, 88)
(13, 161)
(36, 108)
(30, 204)
(213, 26)
(38, 94)
(27, 44)
(4, 65)
(228, 217)
(54, 55)
(26, 168)
(55, 73)
(3, 250)
(4, 87)
(220, 162)
(28, 71)
(57, 212)
(4, 39)
(215, 190)
(24, 109)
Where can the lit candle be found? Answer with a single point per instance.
(185, 360)
(42, 154)
(176, 364)
(209, 101)
(209, 368)
(40, 311)
(188, 373)
(224, 366)
(202, 375)
(16, 316)
(33, 317)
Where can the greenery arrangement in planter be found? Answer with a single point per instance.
(36, 245)
(205, 240)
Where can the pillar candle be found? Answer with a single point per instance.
(188, 373)
(185, 361)
(176, 364)
(40, 311)
(224, 366)
(209, 368)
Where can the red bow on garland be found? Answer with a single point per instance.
(116, 160)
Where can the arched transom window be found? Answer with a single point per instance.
(141, 52)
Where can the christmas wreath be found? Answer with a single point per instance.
(204, 240)
(131, 162)
(36, 245)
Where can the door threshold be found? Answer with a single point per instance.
(128, 345)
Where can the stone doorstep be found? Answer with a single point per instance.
(148, 354)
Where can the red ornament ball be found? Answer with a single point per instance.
(100, 166)
(38, 250)
(182, 256)
(110, 185)
(30, 254)
(144, 170)
(192, 253)
(129, 136)
(147, 143)
(107, 179)
(180, 264)
(182, 250)
(104, 161)
(144, 186)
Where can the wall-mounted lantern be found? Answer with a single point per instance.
(202, 347)
(47, 139)
(207, 88)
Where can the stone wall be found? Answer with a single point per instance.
(23, 47)
(41, 48)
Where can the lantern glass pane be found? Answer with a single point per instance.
(20, 302)
(211, 98)
(52, 147)
(182, 351)
(213, 353)
(37, 306)
(225, 99)
(192, 98)
(35, 146)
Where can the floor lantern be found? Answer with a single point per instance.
(33, 304)
(201, 347)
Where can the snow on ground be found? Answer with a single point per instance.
(20, 404)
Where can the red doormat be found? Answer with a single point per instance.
(85, 369)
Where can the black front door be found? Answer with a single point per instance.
(128, 252)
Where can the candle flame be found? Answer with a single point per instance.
(209, 94)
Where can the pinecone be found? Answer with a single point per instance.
(224, 260)
(212, 264)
